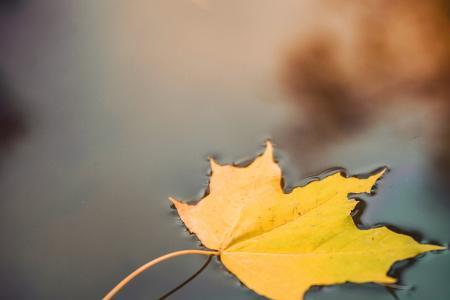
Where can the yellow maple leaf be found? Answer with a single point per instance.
(280, 244)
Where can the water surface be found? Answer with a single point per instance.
(117, 105)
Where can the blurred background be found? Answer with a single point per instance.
(109, 107)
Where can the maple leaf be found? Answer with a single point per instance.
(280, 244)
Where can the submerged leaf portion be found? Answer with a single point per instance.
(281, 244)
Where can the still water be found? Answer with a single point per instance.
(113, 106)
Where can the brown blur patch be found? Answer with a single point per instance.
(364, 58)
(12, 121)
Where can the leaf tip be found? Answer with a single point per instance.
(380, 172)
(374, 178)
(183, 210)
(176, 203)
(268, 152)
(430, 247)
(213, 163)
(389, 280)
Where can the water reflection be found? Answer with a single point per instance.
(369, 62)
(12, 120)
(192, 277)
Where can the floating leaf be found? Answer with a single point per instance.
(280, 244)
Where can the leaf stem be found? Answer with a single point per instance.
(150, 264)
